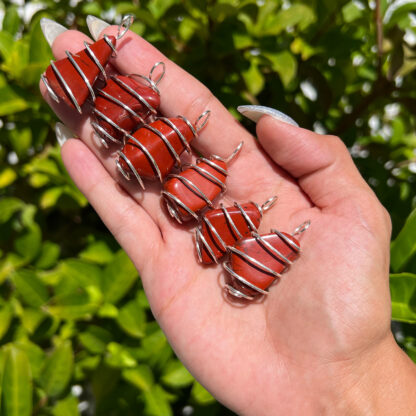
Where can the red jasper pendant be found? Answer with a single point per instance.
(71, 79)
(125, 102)
(154, 149)
(222, 227)
(194, 189)
(256, 262)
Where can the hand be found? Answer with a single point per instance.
(314, 343)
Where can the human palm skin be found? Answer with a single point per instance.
(315, 343)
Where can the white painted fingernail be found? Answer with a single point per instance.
(254, 112)
(51, 30)
(96, 26)
(63, 133)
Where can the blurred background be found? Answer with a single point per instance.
(76, 333)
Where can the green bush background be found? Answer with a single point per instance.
(76, 332)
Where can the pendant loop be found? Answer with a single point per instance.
(161, 75)
(303, 227)
(202, 120)
(269, 203)
(124, 26)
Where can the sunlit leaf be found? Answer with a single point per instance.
(140, 376)
(7, 177)
(66, 407)
(201, 395)
(404, 246)
(176, 375)
(403, 297)
(119, 275)
(17, 384)
(132, 319)
(95, 339)
(30, 288)
(156, 402)
(6, 314)
(58, 369)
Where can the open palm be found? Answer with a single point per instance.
(328, 310)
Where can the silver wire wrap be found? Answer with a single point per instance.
(102, 134)
(173, 202)
(201, 242)
(122, 30)
(266, 246)
(204, 116)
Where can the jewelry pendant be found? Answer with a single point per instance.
(126, 102)
(223, 226)
(194, 189)
(71, 79)
(154, 149)
(256, 262)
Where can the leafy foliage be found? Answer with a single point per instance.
(76, 332)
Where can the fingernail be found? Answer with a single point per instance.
(96, 26)
(63, 133)
(51, 30)
(254, 112)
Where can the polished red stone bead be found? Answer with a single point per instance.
(122, 105)
(195, 188)
(152, 151)
(222, 227)
(256, 262)
(64, 78)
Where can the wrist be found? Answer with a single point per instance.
(380, 382)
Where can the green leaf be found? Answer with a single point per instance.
(31, 318)
(35, 355)
(404, 246)
(97, 252)
(403, 297)
(119, 357)
(48, 256)
(28, 245)
(140, 377)
(396, 11)
(66, 407)
(159, 7)
(6, 45)
(132, 319)
(95, 339)
(39, 49)
(7, 177)
(351, 11)
(176, 375)
(57, 371)
(254, 79)
(11, 101)
(11, 21)
(30, 288)
(73, 306)
(284, 64)
(200, 395)
(17, 384)
(3, 355)
(50, 197)
(119, 276)
(8, 206)
(6, 315)
(78, 273)
(156, 403)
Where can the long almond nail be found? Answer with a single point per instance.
(51, 30)
(63, 133)
(254, 112)
(96, 26)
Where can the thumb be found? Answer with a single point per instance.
(321, 164)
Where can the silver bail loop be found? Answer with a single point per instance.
(269, 203)
(302, 228)
(202, 120)
(124, 26)
(161, 75)
(234, 154)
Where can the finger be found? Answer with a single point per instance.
(321, 164)
(133, 228)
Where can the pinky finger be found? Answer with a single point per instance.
(130, 224)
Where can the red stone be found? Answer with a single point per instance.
(190, 198)
(71, 76)
(119, 115)
(225, 229)
(253, 273)
(156, 147)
